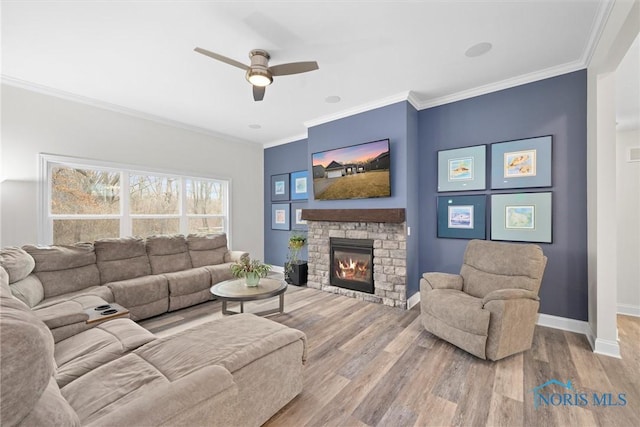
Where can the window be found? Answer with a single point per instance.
(86, 200)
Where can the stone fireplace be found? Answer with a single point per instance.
(384, 229)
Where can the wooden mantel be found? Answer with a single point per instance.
(392, 215)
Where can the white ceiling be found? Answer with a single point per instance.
(138, 55)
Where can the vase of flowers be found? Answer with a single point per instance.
(251, 270)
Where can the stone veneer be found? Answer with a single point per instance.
(389, 252)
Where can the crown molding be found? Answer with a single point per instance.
(45, 90)
(597, 27)
(286, 140)
(504, 84)
(404, 96)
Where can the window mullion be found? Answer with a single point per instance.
(126, 227)
(184, 221)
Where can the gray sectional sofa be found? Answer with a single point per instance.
(147, 276)
(55, 369)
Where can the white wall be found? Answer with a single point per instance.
(621, 29)
(628, 201)
(35, 123)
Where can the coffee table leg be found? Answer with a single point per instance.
(281, 303)
(241, 306)
(224, 307)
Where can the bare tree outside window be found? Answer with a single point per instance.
(84, 191)
(87, 203)
(154, 195)
(205, 206)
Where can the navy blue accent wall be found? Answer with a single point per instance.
(285, 158)
(555, 106)
(384, 122)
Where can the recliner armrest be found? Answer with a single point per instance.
(443, 280)
(507, 294)
(62, 314)
(233, 256)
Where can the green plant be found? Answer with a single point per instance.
(296, 243)
(246, 265)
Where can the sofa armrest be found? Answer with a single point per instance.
(233, 256)
(509, 294)
(443, 281)
(63, 314)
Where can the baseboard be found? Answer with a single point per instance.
(607, 348)
(629, 310)
(413, 300)
(563, 323)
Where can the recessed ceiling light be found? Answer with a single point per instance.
(478, 49)
(332, 99)
(255, 126)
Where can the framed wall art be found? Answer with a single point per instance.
(462, 217)
(297, 223)
(299, 182)
(279, 187)
(280, 216)
(521, 164)
(462, 169)
(522, 217)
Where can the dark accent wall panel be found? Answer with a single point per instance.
(384, 122)
(285, 158)
(555, 106)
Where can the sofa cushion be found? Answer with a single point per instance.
(458, 310)
(5, 290)
(168, 253)
(52, 410)
(130, 390)
(118, 382)
(207, 249)
(18, 263)
(220, 272)
(64, 269)
(27, 360)
(122, 259)
(100, 292)
(139, 291)
(188, 281)
(232, 342)
(498, 265)
(81, 353)
(28, 290)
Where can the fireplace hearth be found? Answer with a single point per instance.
(352, 264)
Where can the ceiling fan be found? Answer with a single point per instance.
(259, 73)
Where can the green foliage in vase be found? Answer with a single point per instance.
(246, 265)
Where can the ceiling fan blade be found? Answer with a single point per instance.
(258, 93)
(222, 58)
(293, 68)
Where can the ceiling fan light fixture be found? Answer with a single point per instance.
(259, 78)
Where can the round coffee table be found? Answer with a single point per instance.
(237, 290)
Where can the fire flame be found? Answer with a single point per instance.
(351, 269)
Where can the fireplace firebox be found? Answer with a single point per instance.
(352, 264)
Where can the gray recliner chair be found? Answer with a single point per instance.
(490, 309)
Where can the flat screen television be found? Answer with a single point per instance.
(356, 172)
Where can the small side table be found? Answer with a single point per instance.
(106, 312)
(237, 290)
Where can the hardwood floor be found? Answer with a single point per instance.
(372, 365)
